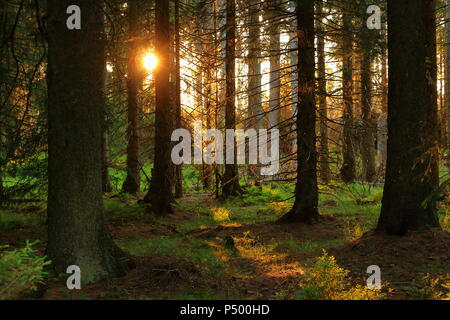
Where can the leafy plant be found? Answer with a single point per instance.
(426, 287)
(20, 270)
(325, 280)
(221, 214)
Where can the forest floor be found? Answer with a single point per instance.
(234, 250)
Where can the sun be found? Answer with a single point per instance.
(150, 61)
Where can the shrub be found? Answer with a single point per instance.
(325, 280)
(20, 270)
(425, 287)
(221, 214)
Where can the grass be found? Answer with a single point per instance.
(354, 210)
(194, 250)
(358, 206)
(123, 208)
(191, 176)
(11, 220)
(293, 246)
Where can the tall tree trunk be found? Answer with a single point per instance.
(368, 128)
(325, 172)
(447, 78)
(208, 69)
(6, 87)
(305, 208)
(77, 234)
(3, 91)
(412, 155)
(230, 183)
(273, 12)
(178, 168)
(132, 182)
(348, 170)
(218, 43)
(255, 109)
(382, 120)
(223, 52)
(442, 111)
(293, 45)
(201, 85)
(106, 182)
(160, 194)
(254, 89)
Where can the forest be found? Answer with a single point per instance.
(224, 150)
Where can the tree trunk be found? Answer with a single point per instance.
(275, 63)
(255, 109)
(208, 71)
(412, 154)
(132, 182)
(230, 183)
(3, 91)
(305, 208)
(254, 89)
(6, 87)
(293, 45)
(178, 168)
(106, 182)
(382, 120)
(77, 234)
(325, 172)
(348, 166)
(160, 195)
(223, 52)
(368, 128)
(447, 78)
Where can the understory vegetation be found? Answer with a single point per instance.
(211, 249)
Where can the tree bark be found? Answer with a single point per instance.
(305, 208)
(160, 194)
(325, 172)
(77, 234)
(348, 170)
(368, 128)
(208, 65)
(230, 183)
(273, 12)
(178, 168)
(382, 119)
(106, 182)
(255, 109)
(3, 90)
(293, 45)
(412, 155)
(133, 181)
(447, 78)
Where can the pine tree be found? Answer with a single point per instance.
(412, 155)
(305, 208)
(160, 194)
(77, 234)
